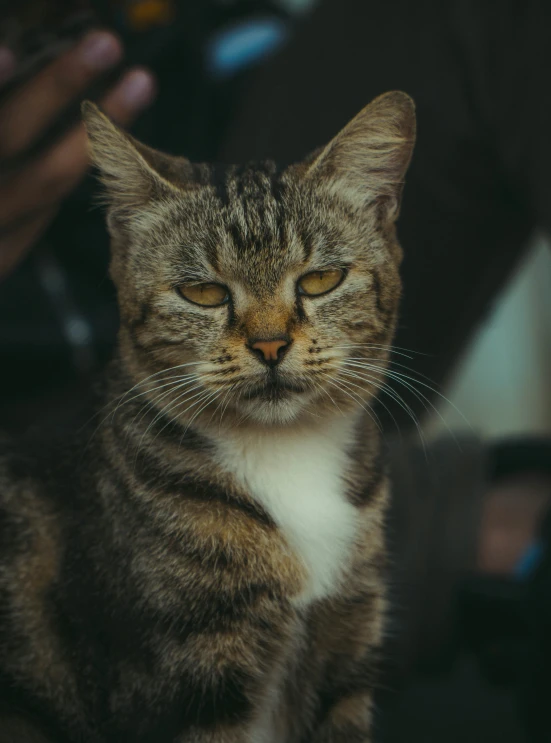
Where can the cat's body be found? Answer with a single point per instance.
(176, 553)
(207, 563)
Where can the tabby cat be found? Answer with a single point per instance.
(206, 564)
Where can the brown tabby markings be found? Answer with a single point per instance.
(186, 574)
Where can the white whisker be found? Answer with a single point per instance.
(356, 399)
(177, 378)
(156, 374)
(118, 401)
(381, 402)
(380, 348)
(392, 364)
(429, 387)
(164, 410)
(383, 387)
(401, 378)
(158, 398)
(206, 403)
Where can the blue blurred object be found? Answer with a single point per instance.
(529, 561)
(236, 47)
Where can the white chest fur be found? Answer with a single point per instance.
(298, 477)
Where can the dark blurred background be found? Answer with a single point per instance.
(468, 652)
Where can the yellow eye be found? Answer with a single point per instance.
(207, 295)
(320, 282)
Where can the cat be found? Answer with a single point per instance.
(207, 562)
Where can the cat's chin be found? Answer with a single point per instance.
(281, 411)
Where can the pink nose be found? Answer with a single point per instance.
(270, 351)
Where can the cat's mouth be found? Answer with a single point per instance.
(275, 389)
(276, 398)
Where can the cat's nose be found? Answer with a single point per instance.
(271, 350)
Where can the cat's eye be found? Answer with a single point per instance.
(206, 295)
(315, 283)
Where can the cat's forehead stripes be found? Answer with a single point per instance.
(254, 207)
(260, 234)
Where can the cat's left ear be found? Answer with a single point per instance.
(133, 174)
(368, 159)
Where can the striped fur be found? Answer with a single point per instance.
(206, 564)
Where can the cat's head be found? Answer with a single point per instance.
(254, 293)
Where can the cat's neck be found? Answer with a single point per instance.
(335, 426)
(298, 475)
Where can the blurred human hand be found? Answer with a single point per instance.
(31, 194)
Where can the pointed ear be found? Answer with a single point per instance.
(368, 159)
(133, 174)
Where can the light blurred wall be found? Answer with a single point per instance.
(503, 385)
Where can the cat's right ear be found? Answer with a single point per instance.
(367, 161)
(131, 172)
